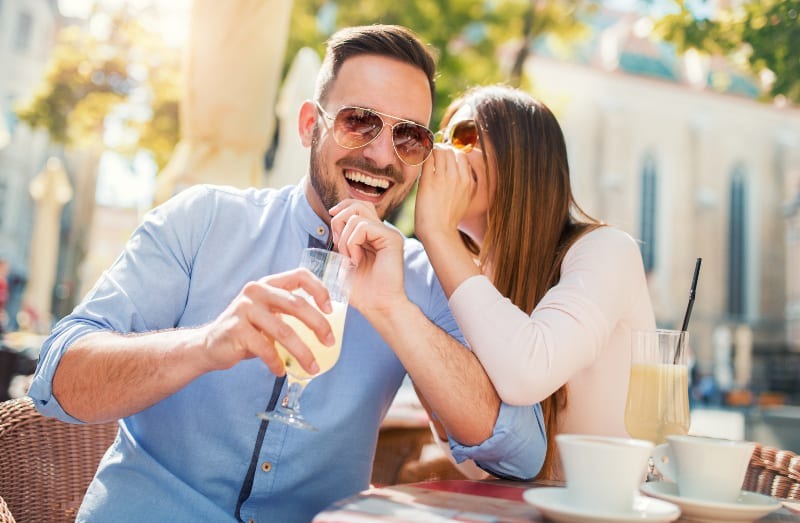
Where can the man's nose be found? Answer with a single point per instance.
(381, 150)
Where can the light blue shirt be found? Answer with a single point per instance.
(202, 454)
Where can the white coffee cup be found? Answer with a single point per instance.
(602, 473)
(710, 469)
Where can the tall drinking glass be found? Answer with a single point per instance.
(658, 390)
(335, 271)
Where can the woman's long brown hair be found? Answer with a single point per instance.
(533, 218)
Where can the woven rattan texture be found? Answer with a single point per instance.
(5, 513)
(774, 472)
(45, 464)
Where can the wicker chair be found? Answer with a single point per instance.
(774, 472)
(5, 513)
(45, 464)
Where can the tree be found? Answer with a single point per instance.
(765, 33)
(127, 71)
(475, 42)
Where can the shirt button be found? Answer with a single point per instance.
(266, 466)
(251, 521)
(322, 231)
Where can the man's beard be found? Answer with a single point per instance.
(324, 183)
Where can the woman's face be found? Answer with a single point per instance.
(474, 222)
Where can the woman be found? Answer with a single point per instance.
(545, 295)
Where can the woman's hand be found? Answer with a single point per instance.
(446, 188)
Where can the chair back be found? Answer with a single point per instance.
(773, 472)
(46, 465)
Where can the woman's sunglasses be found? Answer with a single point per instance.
(461, 135)
(355, 127)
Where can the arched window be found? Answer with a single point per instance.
(647, 223)
(737, 245)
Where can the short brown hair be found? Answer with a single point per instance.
(392, 41)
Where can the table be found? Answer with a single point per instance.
(484, 501)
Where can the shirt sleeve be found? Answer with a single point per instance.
(528, 357)
(158, 255)
(516, 448)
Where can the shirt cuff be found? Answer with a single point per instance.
(516, 448)
(41, 388)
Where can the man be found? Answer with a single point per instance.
(203, 283)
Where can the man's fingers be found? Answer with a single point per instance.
(346, 210)
(283, 332)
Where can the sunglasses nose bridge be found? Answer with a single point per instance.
(381, 147)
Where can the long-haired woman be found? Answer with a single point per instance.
(545, 295)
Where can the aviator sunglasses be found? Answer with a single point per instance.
(355, 127)
(462, 135)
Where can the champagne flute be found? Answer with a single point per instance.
(658, 392)
(335, 271)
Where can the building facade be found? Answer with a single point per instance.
(27, 34)
(691, 172)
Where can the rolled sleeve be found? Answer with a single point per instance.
(516, 448)
(41, 389)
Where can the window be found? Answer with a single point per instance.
(737, 245)
(22, 38)
(647, 225)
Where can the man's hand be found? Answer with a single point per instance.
(251, 325)
(376, 249)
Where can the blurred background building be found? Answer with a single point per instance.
(28, 31)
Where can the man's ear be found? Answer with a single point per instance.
(305, 122)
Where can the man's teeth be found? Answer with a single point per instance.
(366, 180)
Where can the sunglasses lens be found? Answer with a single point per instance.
(412, 142)
(355, 127)
(464, 134)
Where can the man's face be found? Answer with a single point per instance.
(372, 173)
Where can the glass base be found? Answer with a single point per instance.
(289, 417)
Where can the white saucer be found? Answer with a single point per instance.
(552, 502)
(748, 507)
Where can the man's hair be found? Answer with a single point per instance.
(392, 41)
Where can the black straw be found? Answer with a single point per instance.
(691, 295)
(686, 316)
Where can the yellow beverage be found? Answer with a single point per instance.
(658, 401)
(326, 356)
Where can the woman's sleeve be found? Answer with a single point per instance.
(530, 357)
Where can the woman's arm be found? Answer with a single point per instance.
(528, 357)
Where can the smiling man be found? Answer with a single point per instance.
(177, 339)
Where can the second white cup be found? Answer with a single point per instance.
(621, 463)
(710, 469)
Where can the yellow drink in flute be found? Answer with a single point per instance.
(658, 401)
(326, 356)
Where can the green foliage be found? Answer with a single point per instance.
(476, 42)
(90, 77)
(766, 33)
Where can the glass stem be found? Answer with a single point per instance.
(293, 392)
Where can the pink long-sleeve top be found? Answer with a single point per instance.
(579, 333)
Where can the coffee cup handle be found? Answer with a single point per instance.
(665, 466)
